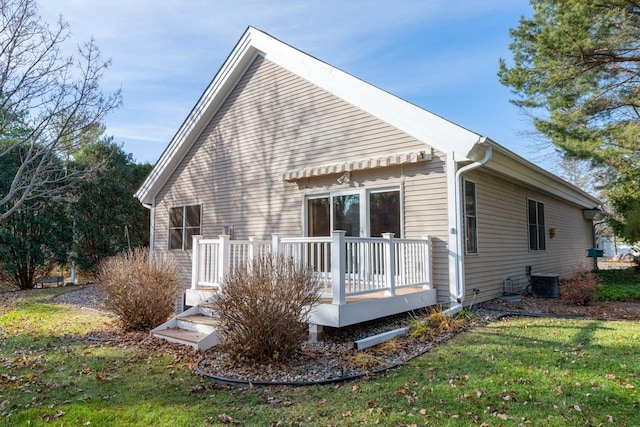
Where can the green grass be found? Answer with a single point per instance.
(619, 285)
(552, 372)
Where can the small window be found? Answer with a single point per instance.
(536, 226)
(184, 223)
(470, 218)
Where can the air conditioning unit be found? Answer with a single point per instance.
(544, 285)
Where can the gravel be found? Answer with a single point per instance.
(86, 296)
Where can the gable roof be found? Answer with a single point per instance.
(423, 125)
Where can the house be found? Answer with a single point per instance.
(287, 150)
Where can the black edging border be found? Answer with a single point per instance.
(248, 383)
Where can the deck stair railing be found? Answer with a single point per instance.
(346, 266)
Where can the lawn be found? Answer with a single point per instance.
(619, 285)
(552, 372)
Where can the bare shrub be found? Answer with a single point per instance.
(581, 289)
(263, 307)
(140, 288)
(437, 323)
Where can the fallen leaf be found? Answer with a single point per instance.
(226, 419)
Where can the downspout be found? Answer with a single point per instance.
(459, 279)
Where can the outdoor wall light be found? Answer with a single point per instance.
(552, 233)
(345, 178)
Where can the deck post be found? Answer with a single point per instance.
(427, 263)
(275, 244)
(338, 267)
(253, 252)
(316, 333)
(224, 257)
(389, 263)
(195, 261)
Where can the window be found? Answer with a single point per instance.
(319, 216)
(384, 212)
(536, 226)
(184, 222)
(359, 213)
(346, 214)
(470, 219)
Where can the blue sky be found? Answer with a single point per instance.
(439, 54)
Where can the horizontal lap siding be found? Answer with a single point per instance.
(503, 236)
(272, 122)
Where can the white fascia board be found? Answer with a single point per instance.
(210, 101)
(507, 163)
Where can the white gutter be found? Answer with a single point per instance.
(459, 256)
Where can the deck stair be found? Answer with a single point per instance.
(195, 327)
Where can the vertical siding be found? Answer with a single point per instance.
(274, 121)
(503, 236)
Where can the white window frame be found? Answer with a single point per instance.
(544, 218)
(184, 226)
(464, 214)
(365, 208)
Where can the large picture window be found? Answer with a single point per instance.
(184, 223)
(470, 218)
(536, 226)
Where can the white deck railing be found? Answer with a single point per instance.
(346, 266)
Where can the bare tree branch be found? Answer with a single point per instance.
(49, 103)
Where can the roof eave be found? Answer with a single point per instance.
(510, 164)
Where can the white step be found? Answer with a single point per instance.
(197, 323)
(192, 327)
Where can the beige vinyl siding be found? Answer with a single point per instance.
(503, 239)
(272, 122)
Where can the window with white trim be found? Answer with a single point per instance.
(536, 225)
(360, 212)
(184, 223)
(384, 212)
(470, 218)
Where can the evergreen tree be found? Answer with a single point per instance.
(35, 238)
(576, 68)
(107, 218)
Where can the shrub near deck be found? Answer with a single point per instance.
(140, 288)
(262, 309)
